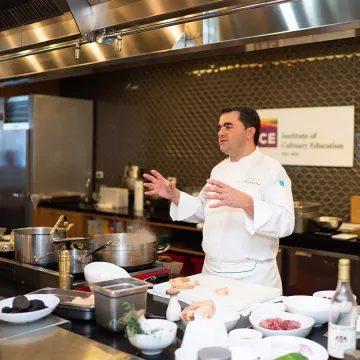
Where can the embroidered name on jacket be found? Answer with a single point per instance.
(252, 180)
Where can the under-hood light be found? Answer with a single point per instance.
(77, 50)
(119, 39)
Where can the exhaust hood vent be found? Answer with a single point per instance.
(33, 11)
(16, 109)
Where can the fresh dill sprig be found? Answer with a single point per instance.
(131, 320)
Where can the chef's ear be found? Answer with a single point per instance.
(250, 132)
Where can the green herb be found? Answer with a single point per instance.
(293, 356)
(130, 319)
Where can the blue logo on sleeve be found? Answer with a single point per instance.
(281, 183)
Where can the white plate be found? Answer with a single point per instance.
(306, 323)
(276, 346)
(50, 301)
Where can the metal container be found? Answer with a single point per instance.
(127, 250)
(36, 242)
(66, 309)
(110, 297)
(327, 223)
(304, 212)
(78, 260)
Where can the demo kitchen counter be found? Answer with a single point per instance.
(57, 343)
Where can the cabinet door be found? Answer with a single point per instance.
(48, 217)
(308, 271)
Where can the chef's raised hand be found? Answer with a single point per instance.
(158, 185)
(228, 196)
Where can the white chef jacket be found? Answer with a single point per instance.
(233, 242)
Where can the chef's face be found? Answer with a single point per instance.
(233, 137)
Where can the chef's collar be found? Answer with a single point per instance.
(247, 158)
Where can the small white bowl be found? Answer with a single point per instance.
(156, 341)
(103, 271)
(315, 307)
(327, 294)
(244, 337)
(243, 353)
(226, 314)
(184, 354)
(306, 323)
(50, 301)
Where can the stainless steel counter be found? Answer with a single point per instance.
(57, 344)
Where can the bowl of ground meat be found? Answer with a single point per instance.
(281, 323)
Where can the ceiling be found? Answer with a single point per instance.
(40, 37)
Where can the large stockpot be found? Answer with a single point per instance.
(36, 242)
(126, 250)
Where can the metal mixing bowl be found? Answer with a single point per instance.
(328, 222)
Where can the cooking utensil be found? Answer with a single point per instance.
(68, 310)
(37, 259)
(304, 212)
(328, 222)
(69, 226)
(36, 241)
(110, 297)
(61, 218)
(127, 250)
(79, 258)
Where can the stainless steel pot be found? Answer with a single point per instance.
(304, 212)
(126, 250)
(79, 258)
(36, 242)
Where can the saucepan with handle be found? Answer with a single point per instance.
(127, 249)
(79, 257)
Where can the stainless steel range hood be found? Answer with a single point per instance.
(88, 38)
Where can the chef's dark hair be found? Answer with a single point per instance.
(249, 117)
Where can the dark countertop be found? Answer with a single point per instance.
(118, 341)
(91, 330)
(161, 215)
(322, 243)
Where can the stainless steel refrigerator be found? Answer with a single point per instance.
(46, 147)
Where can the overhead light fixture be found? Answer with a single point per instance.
(119, 39)
(77, 50)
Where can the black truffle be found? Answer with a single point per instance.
(6, 310)
(21, 303)
(36, 305)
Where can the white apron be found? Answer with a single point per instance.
(252, 271)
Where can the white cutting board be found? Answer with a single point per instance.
(241, 294)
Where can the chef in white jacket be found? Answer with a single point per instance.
(245, 206)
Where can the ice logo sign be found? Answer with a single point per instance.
(269, 132)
